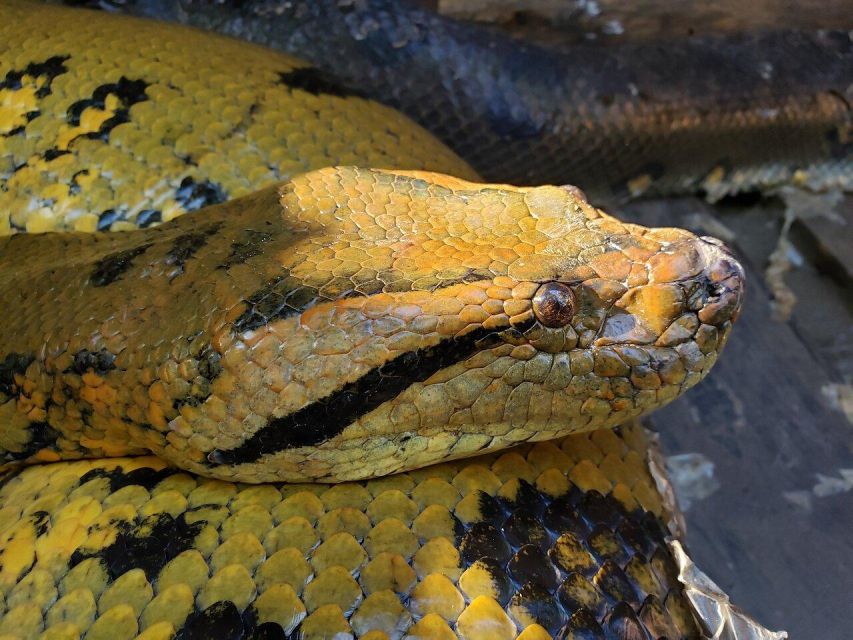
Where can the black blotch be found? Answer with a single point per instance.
(100, 362)
(491, 510)
(10, 366)
(192, 195)
(210, 363)
(575, 583)
(325, 418)
(147, 217)
(144, 477)
(533, 580)
(50, 68)
(265, 631)
(656, 620)
(614, 583)
(279, 298)
(147, 546)
(129, 92)
(74, 188)
(541, 606)
(185, 246)
(221, 620)
(106, 218)
(53, 154)
(528, 497)
(636, 538)
(482, 541)
(622, 622)
(41, 521)
(109, 269)
(531, 564)
(583, 626)
(209, 367)
(654, 529)
(501, 581)
(561, 515)
(268, 631)
(316, 82)
(524, 525)
(42, 436)
(663, 563)
(249, 246)
(523, 326)
(607, 545)
(599, 509)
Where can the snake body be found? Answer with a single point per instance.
(324, 326)
(714, 114)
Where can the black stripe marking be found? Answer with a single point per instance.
(185, 246)
(109, 269)
(324, 419)
(249, 246)
(279, 298)
(284, 296)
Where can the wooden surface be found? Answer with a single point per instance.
(775, 531)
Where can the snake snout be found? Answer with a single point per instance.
(724, 283)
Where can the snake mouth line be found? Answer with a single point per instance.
(327, 417)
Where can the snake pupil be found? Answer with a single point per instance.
(554, 304)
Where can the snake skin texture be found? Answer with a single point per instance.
(558, 539)
(717, 115)
(402, 295)
(353, 323)
(93, 140)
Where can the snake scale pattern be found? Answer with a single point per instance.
(337, 328)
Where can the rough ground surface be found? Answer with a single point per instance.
(775, 530)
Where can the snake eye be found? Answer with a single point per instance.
(554, 304)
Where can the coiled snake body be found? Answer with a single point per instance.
(331, 325)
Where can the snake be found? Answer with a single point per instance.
(717, 115)
(335, 401)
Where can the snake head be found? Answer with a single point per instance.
(432, 318)
(627, 324)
